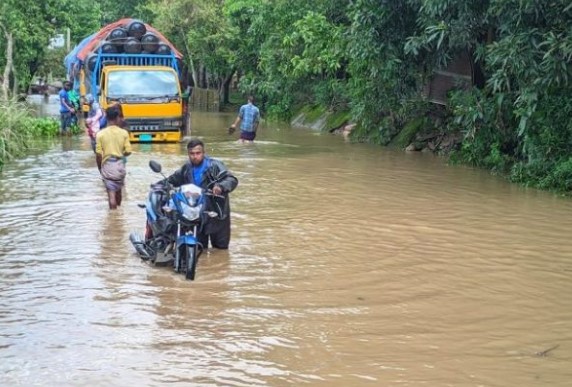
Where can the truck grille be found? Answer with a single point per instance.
(152, 125)
(143, 128)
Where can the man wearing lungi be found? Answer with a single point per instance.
(111, 146)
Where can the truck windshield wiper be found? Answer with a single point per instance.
(169, 96)
(122, 97)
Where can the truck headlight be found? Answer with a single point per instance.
(174, 122)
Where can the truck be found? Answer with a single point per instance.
(131, 63)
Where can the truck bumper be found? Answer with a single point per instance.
(156, 136)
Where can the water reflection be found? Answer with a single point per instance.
(45, 105)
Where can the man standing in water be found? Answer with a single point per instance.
(111, 146)
(66, 108)
(248, 117)
(209, 174)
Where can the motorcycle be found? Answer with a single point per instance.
(174, 215)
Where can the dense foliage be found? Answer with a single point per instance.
(34, 23)
(519, 122)
(374, 57)
(371, 58)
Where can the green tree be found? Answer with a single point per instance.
(206, 36)
(384, 80)
(113, 10)
(82, 17)
(301, 54)
(33, 24)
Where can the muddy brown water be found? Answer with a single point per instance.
(350, 265)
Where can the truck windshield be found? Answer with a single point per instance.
(142, 84)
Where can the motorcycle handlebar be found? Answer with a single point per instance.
(210, 193)
(166, 186)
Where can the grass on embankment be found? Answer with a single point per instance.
(19, 127)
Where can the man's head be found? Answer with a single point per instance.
(196, 150)
(113, 113)
(250, 98)
(67, 85)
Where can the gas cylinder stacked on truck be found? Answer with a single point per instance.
(131, 38)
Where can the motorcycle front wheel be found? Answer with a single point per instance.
(191, 266)
(178, 259)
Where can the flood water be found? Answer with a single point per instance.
(350, 265)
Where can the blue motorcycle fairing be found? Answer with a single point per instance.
(177, 198)
(190, 240)
(155, 201)
(150, 212)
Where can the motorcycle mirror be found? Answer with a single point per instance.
(155, 166)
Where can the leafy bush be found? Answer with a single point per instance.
(561, 177)
(43, 127)
(489, 141)
(13, 132)
(535, 155)
(544, 175)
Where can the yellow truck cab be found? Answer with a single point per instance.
(150, 97)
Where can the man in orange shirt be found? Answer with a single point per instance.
(111, 146)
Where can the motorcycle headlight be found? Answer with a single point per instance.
(190, 213)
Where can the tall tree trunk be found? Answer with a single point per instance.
(203, 81)
(15, 84)
(226, 88)
(191, 62)
(220, 88)
(196, 76)
(9, 63)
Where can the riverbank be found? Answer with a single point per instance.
(419, 135)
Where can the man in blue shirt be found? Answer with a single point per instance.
(66, 108)
(209, 174)
(248, 117)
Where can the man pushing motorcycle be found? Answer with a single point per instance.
(213, 176)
